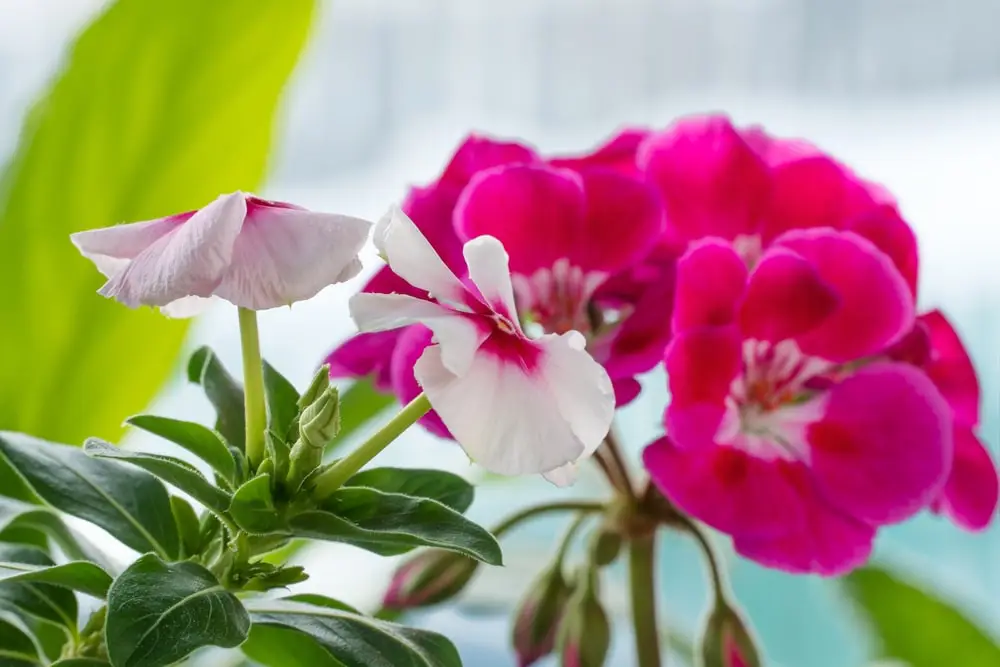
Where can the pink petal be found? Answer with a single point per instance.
(951, 369)
(639, 342)
(365, 355)
(826, 542)
(111, 248)
(488, 269)
(970, 495)
(537, 212)
(883, 226)
(412, 343)
(285, 254)
(411, 256)
(808, 192)
(712, 182)
(702, 364)
(478, 153)
(876, 307)
(514, 420)
(711, 279)
(618, 153)
(784, 298)
(431, 209)
(883, 448)
(725, 487)
(191, 260)
(626, 390)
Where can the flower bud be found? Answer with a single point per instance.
(319, 423)
(319, 384)
(429, 578)
(605, 545)
(538, 616)
(585, 632)
(726, 641)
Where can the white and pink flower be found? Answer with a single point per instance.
(516, 405)
(253, 253)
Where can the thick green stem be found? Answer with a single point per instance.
(642, 581)
(253, 387)
(334, 477)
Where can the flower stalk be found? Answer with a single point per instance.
(253, 387)
(642, 583)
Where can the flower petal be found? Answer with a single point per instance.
(191, 260)
(809, 192)
(618, 153)
(784, 298)
(564, 475)
(431, 209)
(970, 495)
(111, 248)
(702, 364)
(365, 355)
(883, 448)
(478, 153)
(489, 270)
(639, 342)
(725, 487)
(412, 343)
(875, 305)
(886, 229)
(712, 182)
(411, 256)
(536, 212)
(951, 369)
(286, 254)
(711, 279)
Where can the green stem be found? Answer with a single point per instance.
(253, 387)
(714, 569)
(642, 581)
(567, 538)
(618, 461)
(334, 477)
(513, 520)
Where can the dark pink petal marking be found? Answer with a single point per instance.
(413, 340)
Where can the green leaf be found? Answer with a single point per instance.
(78, 576)
(276, 646)
(354, 640)
(17, 515)
(444, 487)
(188, 525)
(391, 523)
(38, 599)
(161, 106)
(253, 507)
(81, 662)
(201, 441)
(160, 612)
(282, 401)
(914, 627)
(224, 393)
(180, 474)
(359, 404)
(17, 649)
(130, 504)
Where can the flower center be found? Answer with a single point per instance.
(750, 247)
(773, 401)
(556, 298)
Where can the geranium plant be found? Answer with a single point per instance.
(522, 297)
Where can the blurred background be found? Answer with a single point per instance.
(905, 91)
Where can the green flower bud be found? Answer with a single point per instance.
(605, 545)
(428, 579)
(538, 616)
(585, 632)
(726, 640)
(319, 384)
(319, 423)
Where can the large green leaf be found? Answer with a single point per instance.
(180, 474)
(40, 600)
(912, 626)
(200, 440)
(253, 506)
(223, 392)
(129, 503)
(15, 515)
(17, 649)
(161, 107)
(391, 523)
(353, 639)
(445, 487)
(282, 401)
(160, 612)
(78, 575)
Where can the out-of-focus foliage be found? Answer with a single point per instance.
(915, 628)
(161, 107)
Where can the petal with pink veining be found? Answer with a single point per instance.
(875, 305)
(112, 248)
(883, 448)
(711, 279)
(488, 269)
(970, 495)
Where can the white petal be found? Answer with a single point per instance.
(189, 306)
(283, 255)
(564, 475)
(411, 256)
(489, 269)
(112, 248)
(188, 261)
(457, 333)
(506, 419)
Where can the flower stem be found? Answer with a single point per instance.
(334, 477)
(618, 461)
(253, 387)
(517, 518)
(714, 569)
(642, 581)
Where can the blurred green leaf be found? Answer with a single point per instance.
(282, 402)
(42, 601)
(78, 576)
(359, 404)
(223, 392)
(161, 107)
(912, 626)
(17, 649)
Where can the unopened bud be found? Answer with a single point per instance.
(319, 423)
(585, 632)
(319, 384)
(429, 578)
(539, 615)
(605, 545)
(726, 641)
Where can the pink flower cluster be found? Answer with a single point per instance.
(810, 404)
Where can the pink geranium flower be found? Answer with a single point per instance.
(516, 405)
(253, 253)
(970, 496)
(787, 429)
(596, 196)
